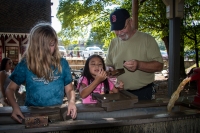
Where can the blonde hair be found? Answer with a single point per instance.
(38, 54)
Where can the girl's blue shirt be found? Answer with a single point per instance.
(40, 92)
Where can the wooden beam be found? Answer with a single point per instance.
(135, 13)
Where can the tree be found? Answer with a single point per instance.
(191, 26)
(152, 19)
(92, 40)
(76, 17)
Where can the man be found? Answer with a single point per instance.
(137, 52)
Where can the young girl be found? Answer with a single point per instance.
(94, 79)
(46, 74)
(5, 71)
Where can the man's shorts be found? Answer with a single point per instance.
(144, 93)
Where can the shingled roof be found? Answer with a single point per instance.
(19, 16)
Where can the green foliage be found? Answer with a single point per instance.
(72, 47)
(90, 20)
(76, 17)
(161, 44)
(191, 28)
(77, 48)
(152, 18)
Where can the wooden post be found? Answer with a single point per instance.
(135, 13)
(174, 12)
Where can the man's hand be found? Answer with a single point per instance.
(131, 65)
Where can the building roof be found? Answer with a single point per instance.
(19, 16)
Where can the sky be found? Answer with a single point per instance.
(55, 22)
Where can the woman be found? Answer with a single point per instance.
(45, 73)
(5, 71)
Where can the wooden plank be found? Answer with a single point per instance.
(71, 125)
(128, 94)
(104, 98)
(118, 105)
(59, 113)
(32, 110)
(116, 101)
(35, 122)
(52, 112)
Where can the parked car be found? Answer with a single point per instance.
(62, 51)
(92, 50)
(164, 54)
(190, 55)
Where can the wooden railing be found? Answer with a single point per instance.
(76, 63)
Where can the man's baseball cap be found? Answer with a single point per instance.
(118, 19)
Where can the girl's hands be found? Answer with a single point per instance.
(119, 85)
(17, 114)
(101, 75)
(72, 110)
(108, 70)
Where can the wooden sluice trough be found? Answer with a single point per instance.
(144, 116)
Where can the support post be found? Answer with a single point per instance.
(174, 12)
(135, 13)
(174, 55)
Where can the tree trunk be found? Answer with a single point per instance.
(197, 52)
(166, 41)
(135, 13)
(182, 66)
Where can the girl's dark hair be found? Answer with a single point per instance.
(3, 63)
(86, 73)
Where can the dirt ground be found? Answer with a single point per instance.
(161, 85)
